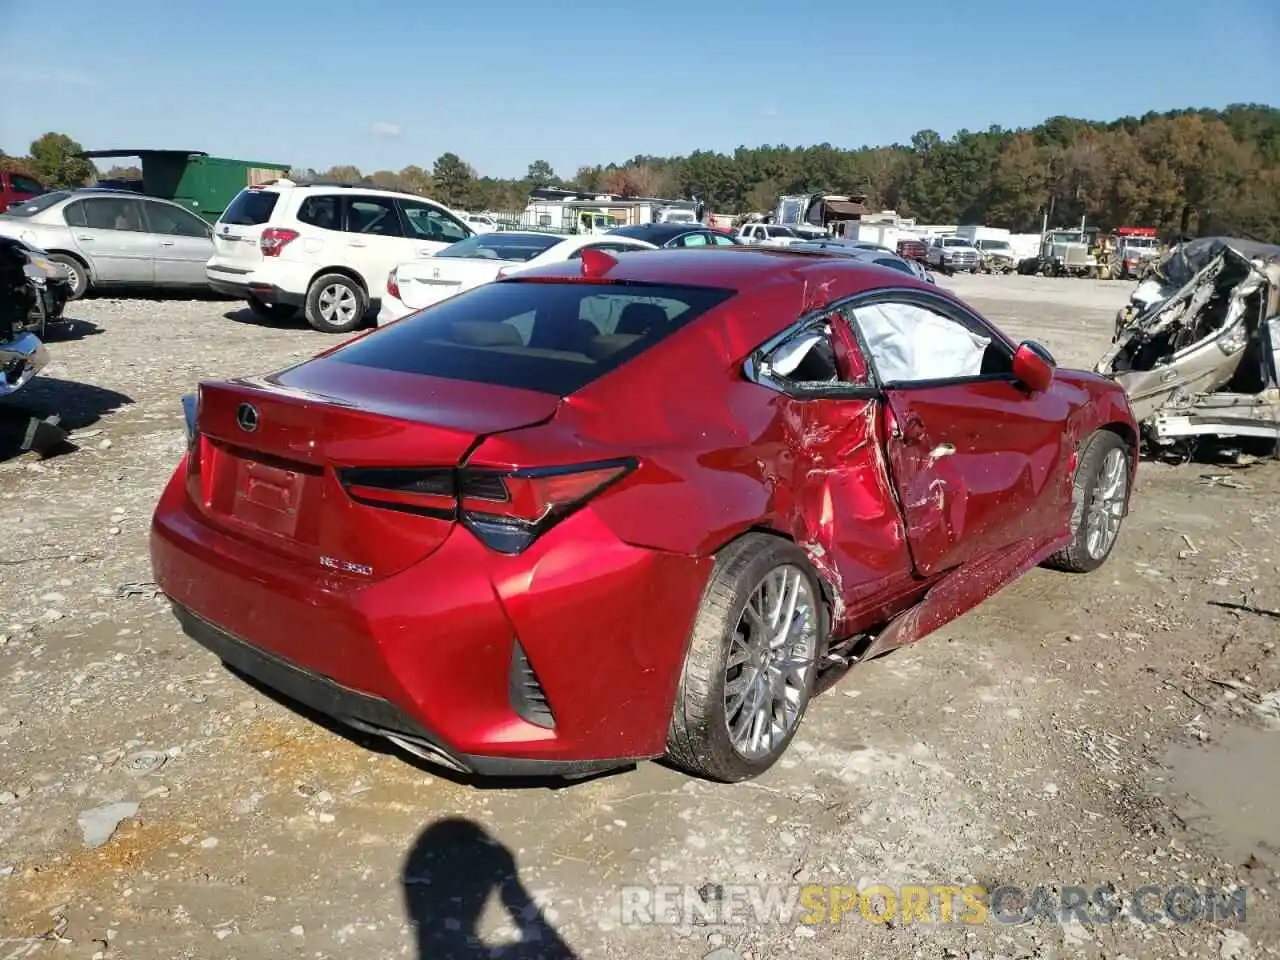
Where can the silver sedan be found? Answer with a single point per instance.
(104, 238)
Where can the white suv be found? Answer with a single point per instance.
(324, 249)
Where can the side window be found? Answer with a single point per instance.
(174, 221)
(720, 240)
(73, 213)
(911, 343)
(812, 359)
(21, 184)
(113, 213)
(321, 211)
(431, 223)
(375, 216)
(693, 240)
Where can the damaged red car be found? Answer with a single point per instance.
(631, 506)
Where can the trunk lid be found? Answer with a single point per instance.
(283, 460)
(432, 279)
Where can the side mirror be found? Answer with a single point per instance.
(1033, 366)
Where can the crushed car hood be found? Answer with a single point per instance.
(1186, 328)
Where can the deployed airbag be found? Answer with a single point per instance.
(911, 343)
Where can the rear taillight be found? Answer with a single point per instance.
(191, 415)
(393, 284)
(196, 478)
(275, 239)
(429, 492)
(506, 510)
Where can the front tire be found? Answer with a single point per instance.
(1101, 495)
(77, 274)
(336, 303)
(752, 661)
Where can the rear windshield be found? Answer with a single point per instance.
(549, 337)
(502, 246)
(29, 208)
(250, 208)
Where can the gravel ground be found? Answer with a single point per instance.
(1121, 728)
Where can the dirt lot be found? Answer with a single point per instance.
(1121, 728)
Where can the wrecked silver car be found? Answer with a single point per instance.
(21, 352)
(1197, 349)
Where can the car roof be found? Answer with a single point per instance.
(498, 235)
(79, 193)
(642, 231)
(731, 268)
(321, 186)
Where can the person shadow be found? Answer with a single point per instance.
(453, 869)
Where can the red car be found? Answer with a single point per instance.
(17, 187)
(630, 506)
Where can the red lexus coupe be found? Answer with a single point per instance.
(630, 506)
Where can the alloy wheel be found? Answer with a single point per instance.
(338, 303)
(772, 650)
(1106, 504)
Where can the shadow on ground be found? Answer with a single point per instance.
(251, 319)
(156, 295)
(69, 330)
(454, 868)
(76, 405)
(297, 322)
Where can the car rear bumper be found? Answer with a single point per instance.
(391, 310)
(429, 657)
(242, 288)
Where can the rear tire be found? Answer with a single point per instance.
(273, 312)
(1101, 493)
(336, 303)
(770, 662)
(77, 274)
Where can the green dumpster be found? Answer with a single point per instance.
(206, 185)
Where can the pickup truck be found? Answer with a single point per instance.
(952, 254)
(768, 235)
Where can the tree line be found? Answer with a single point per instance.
(1195, 171)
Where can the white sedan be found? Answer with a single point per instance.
(481, 259)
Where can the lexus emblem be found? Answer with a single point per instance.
(247, 417)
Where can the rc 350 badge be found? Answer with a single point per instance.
(346, 566)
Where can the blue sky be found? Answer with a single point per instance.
(506, 82)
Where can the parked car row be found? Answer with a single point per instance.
(340, 253)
